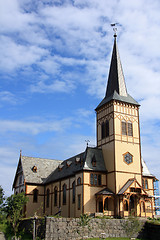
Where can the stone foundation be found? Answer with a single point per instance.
(69, 229)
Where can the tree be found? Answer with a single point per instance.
(1, 195)
(14, 210)
(2, 198)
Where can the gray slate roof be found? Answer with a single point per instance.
(116, 87)
(126, 186)
(105, 191)
(76, 166)
(44, 168)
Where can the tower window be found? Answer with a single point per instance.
(128, 158)
(127, 128)
(105, 129)
(130, 129)
(124, 127)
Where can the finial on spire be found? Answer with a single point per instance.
(114, 29)
(20, 152)
(87, 141)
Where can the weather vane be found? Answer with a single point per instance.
(114, 28)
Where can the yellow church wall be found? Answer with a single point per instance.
(64, 207)
(111, 181)
(72, 205)
(121, 149)
(108, 154)
(78, 193)
(122, 178)
(90, 198)
(34, 207)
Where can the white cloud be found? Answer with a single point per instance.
(6, 96)
(34, 127)
(70, 45)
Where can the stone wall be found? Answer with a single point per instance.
(69, 229)
(52, 228)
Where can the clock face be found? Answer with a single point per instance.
(128, 158)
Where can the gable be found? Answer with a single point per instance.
(132, 186)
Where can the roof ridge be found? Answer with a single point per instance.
(41, 158)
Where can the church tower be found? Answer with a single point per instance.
(118, 131)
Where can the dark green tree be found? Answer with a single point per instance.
(14, 209)
(1, 195)
(2, 215)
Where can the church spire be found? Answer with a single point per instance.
(116, 87)
(116, 81)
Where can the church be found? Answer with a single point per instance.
(111, 178)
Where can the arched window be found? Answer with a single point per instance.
(55, 196)
(143, 207)
(79, 201)
(48, 194)
(146, 184)
(22, 191)
(73, 192)
(79, 181)
(124, 127)
(106, 204)
(125, 206)
(103, 130)
(64, 194)
(107, 128)
(35, 195)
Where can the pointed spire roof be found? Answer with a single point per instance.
(116, 86)
(116, 80)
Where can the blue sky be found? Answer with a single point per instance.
(54, 61)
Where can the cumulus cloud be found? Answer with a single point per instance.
(34, 128)
(59, 46)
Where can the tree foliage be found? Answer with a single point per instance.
(14, 209)
(1, 195)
